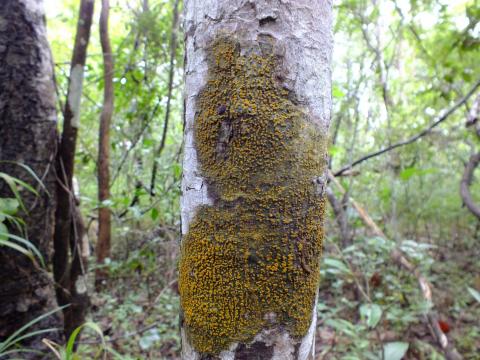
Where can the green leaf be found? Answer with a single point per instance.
(177, 170)
(395, 350)
(73, 336)
(154, 214)
(334, 150)
(336, 265)
(16, 247)
(9, 206)
(29, 249)
(343, 326)
(337, 92)
(32, 173)
(474, 293)
(372, 313)
(19, 223)
(35, 333)
(12, 184)
(3, 231)
(407, 173)
(13, 339)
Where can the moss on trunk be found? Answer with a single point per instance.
(251, 260)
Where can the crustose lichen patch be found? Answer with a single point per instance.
(251, 260)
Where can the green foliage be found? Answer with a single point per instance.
(12, 345)
(68, 352)
(9, 207)
(390, 304)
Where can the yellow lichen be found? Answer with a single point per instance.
(251, 260)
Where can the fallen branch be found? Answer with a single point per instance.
(399, 258)
(414, 138)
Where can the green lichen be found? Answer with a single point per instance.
(251, 260)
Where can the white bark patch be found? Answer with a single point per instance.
(75, 93)
(283, 344)
(187, 351)
(34, 6)
(307, 347)
(81, 285)
(85, 247)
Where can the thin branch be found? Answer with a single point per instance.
(146, 123)
(414, 138)
(173, 51)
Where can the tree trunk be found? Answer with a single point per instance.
(104, 215)
(69, 266)
(27, 136)
(257, 111)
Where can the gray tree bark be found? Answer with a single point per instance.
(27, 136)
(257, 112)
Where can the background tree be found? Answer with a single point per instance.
(257, 112)
(70, 262)
(28, 138)
(104, 215)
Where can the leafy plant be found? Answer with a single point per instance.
(381, 298)
(9, 207)
(68, 352)
(12, 343)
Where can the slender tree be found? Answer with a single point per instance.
(171, 73)
(69, 264)
(28, 137)
(104, 215)
(257, 112)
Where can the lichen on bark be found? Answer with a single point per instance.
(250, 261)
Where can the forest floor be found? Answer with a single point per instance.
(138, 309)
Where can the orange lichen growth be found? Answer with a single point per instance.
(251, 260)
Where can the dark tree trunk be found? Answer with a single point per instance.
(69, 266)
(27, 136)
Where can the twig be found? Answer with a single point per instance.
(120, 337)
(414, 138)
